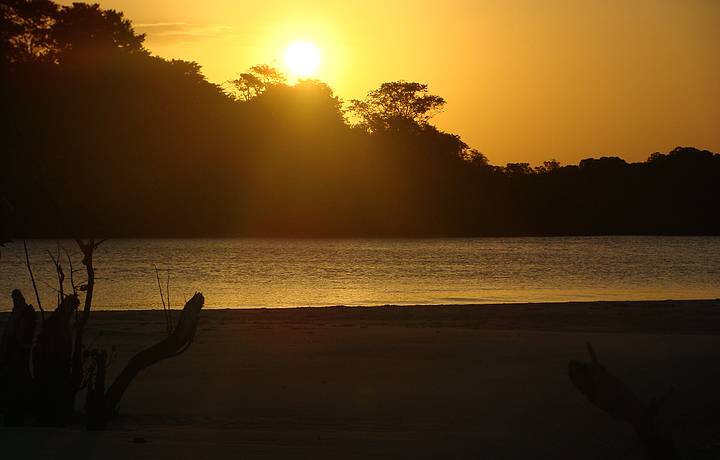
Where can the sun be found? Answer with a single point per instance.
(302, 58)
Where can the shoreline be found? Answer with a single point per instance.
(445, 305)
(701, 316)
(665, 316)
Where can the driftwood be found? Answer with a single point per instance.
(76, 367)
(612, 395)
(52, 358)
(61, 364)
(177, 342)
(15, 347)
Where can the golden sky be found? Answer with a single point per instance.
(525, 80)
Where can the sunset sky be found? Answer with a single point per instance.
(524, 80)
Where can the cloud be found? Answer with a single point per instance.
(182, 30)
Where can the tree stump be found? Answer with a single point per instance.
(15, 347)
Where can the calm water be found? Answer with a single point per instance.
(280, 272)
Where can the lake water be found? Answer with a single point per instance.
(298, 272)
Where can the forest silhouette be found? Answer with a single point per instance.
(99, 137)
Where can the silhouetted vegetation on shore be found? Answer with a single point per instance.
(100, 137)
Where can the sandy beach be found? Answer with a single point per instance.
(486, 381)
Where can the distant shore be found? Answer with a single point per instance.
(700, 316)
(461, 382)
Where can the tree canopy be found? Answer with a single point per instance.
(256, 81)
(42, 31)
(396, 105)
(99, 137)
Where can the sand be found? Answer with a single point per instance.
(441, 382)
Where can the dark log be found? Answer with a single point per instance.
(176, 343)
(52, 358)
(15, 347)
(612, 395)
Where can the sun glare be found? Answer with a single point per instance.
(302, 58)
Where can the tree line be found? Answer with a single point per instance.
(100, 137)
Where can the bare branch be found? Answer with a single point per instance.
(87, 249)
(168, 329)
(59, 272)
(167, 292)
(32, 278)
(72, 270)
(177, 342)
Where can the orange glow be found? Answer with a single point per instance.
(524, 80)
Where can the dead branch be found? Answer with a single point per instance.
(32, 278)
(167, 291)
(87, 249)
(177, 342)
(60, 273)
(613, 396)
(72, 270)
(605, 390)
(166, 308)
(62, 365)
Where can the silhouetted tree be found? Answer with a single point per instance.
(282, 160)
(547, 167)
(256, 81)
(25, 31)
(268, 75)
(518, 169)
(41, 31)
(475, 157)
(247, 86)
(85, 31)
(396, 105)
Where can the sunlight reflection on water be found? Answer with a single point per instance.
(297, 272)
